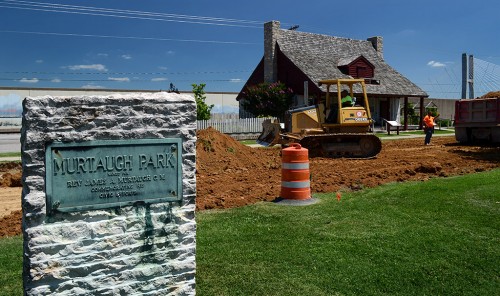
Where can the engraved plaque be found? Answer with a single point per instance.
(103, 174)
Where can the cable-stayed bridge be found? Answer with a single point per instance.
(482, 76)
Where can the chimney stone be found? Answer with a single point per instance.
(271, 33)
(378, 44)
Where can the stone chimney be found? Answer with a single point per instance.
(378, 44)
(271, 33)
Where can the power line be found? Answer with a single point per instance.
(162, 15)
(127, 37)
(89, 8)
(125, 73)
(129, 14)
(112, 80)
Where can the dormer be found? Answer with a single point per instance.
(357, 67)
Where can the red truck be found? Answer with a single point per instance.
(478, 120)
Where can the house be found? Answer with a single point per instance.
(300, 60)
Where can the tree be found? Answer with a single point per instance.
(412, 117)
(202, 109)
(267, 99)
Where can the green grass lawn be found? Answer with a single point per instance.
(11, 260)
(439, 237)
(248, 142)
(412, 133)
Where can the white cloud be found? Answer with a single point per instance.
(406, 32)
(170, 52)
(97, 67)
(119, 79)
(126, 57)
(235, 80)
(102, 55)
(39, 61)
(93, 86)
(435, 64)
(29, 80)
(56, 80)
(159, 79)
(162, 68)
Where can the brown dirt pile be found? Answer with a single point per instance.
(492, 94)
(10, 198)
(10, 225)
(230, 174)
(10, 174)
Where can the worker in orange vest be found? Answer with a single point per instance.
(429, 127)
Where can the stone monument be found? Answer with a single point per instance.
(109, 194)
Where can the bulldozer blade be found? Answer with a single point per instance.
(270, 134)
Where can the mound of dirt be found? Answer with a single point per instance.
(230, 174)
(11, 224)
(10, 174)
(11, 179)
(492, 94)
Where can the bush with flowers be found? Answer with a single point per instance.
(267, 99)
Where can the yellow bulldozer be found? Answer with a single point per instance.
(331, 128)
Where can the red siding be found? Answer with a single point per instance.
(360, 68)
(294, 78)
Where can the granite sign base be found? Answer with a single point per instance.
(109, 195)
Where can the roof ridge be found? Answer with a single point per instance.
(321, 35)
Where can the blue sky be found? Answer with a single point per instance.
(148, 44)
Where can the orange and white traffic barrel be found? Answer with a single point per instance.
(295, 176)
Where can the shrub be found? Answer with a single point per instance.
(202, 109)
(267, 99)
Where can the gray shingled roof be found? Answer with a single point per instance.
(318, 56)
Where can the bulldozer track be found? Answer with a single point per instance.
(360, 146)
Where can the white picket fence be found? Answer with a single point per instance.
(238, 128)
(233, 126)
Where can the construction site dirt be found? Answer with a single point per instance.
(230, 174)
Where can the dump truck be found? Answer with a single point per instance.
(328, 129)
(478, 120)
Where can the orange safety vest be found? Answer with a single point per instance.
(429, 121)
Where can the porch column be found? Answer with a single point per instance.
(422, 113)
(388, 108)
(405, 114)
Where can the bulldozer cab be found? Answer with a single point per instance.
(336, 115)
